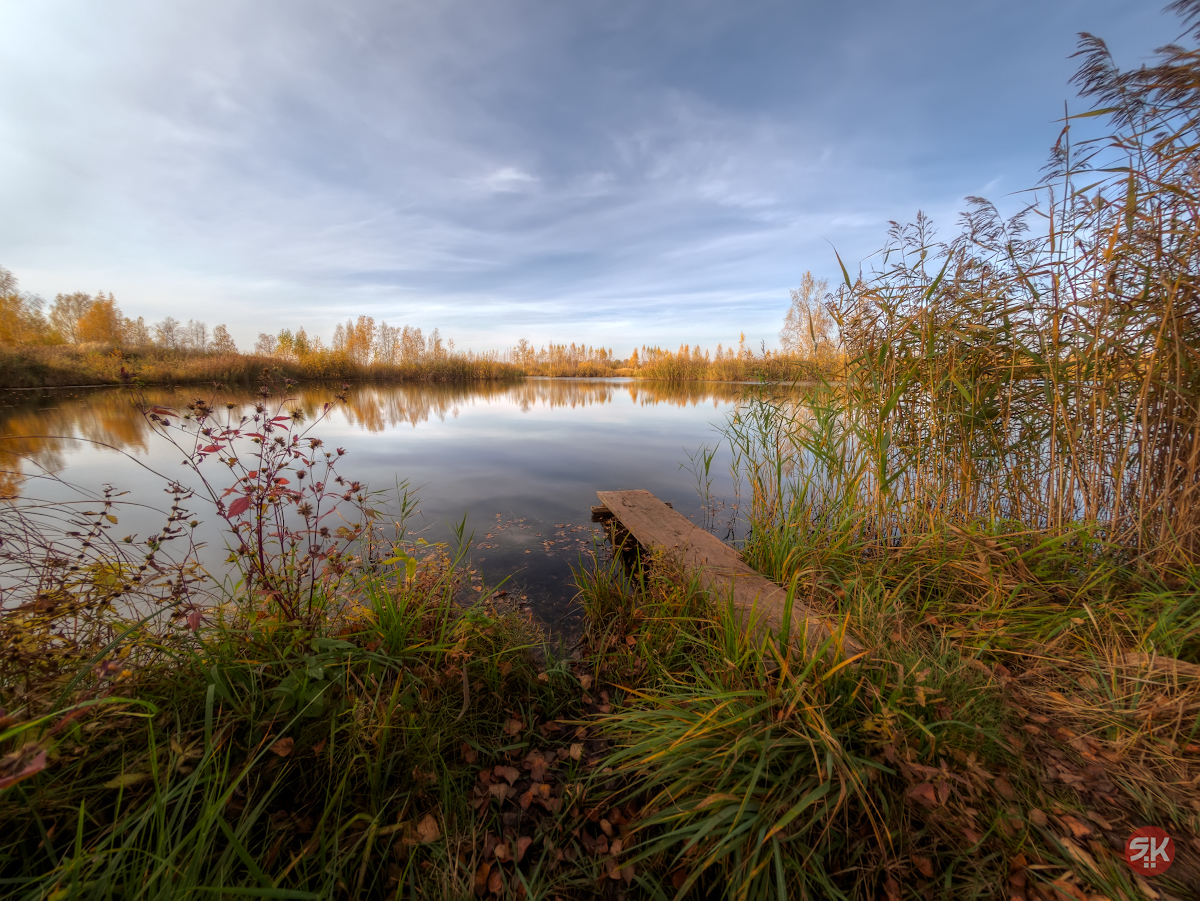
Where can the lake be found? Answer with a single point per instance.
(519, 462)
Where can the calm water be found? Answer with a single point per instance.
(521, 462)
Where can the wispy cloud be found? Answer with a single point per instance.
(517, 168)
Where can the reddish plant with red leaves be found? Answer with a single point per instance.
(285, 507)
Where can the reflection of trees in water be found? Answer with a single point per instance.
(686, 394)
(35, 432)
(377, 407)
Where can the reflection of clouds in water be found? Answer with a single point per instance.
(36, 430)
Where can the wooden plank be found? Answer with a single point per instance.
(721, 569)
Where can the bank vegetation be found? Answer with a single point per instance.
(999, 500)
(82, 339)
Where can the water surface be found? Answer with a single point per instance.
(518, 463)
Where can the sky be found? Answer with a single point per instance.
(620, 173)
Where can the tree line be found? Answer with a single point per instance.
(808, 336)
(80, 318)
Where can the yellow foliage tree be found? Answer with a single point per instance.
(101, 322)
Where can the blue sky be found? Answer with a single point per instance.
(613, 172)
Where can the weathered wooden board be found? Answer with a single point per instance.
(721, 570)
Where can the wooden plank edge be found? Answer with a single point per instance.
(807, 623)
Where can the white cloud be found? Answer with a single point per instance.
(664, 170)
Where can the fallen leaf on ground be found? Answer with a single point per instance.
(924, 794)
(576, 750)
(509, 773)
(481, 878)
(924, 865)
(428, 830)
(513, 727)
(1078, 829)
(502, 851)
(125, 780)
(283, 747)
(523, 844)
(25, 764)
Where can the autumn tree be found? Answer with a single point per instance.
(194, 335)
(387, 344)
(21, 317)
(285, 344)
(808, 328)
(222, 341)
(265, 345)
(169, 333)
(135, 332)
(356, 339)
(101, 322)
(65, 313)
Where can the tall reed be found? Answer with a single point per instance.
(1037, 373)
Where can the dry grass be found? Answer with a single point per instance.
(1010, 474)
(37, 366)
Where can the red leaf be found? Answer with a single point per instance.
(163, 412)
(35, 765)
(924, 794)
(211, 449)
(240, 506)
(281, 419)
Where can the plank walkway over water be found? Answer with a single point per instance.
(721, 569)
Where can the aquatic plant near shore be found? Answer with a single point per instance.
(289, 538)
